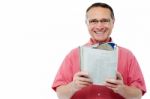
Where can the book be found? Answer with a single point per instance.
(99, 61)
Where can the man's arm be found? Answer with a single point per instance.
(80, 80)
(128, 92)
(65, 91)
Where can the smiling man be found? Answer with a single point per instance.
(100, 25)
(71, 83)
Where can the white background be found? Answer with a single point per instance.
(35, 36)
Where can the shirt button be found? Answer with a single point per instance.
(98, 94)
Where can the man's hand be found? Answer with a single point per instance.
(115, 84)
(81, 80)
(128, 92)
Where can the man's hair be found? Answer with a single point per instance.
(103, 5)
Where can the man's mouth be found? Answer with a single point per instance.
(99, 32)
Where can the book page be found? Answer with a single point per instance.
(100, 64)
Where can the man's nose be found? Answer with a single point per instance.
(100, 24)
(100, 28)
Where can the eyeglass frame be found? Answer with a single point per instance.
(103, 21)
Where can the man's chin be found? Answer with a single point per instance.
(101, 40)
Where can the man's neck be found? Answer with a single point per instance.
(93, 41)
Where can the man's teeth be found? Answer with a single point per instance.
(99, 32)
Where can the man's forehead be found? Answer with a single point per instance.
(98, 11)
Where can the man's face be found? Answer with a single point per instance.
(100, 23)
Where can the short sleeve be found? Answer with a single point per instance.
(135, 77)
(68, 68)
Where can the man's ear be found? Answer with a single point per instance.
(113, 21)
(86, 22)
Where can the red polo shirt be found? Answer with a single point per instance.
(127, 66)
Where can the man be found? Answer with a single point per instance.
(71, 83)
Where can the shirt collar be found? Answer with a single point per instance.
(93, 41)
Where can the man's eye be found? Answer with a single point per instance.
(93, 21)
(105, 20)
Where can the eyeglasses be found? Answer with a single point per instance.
(96, 21)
